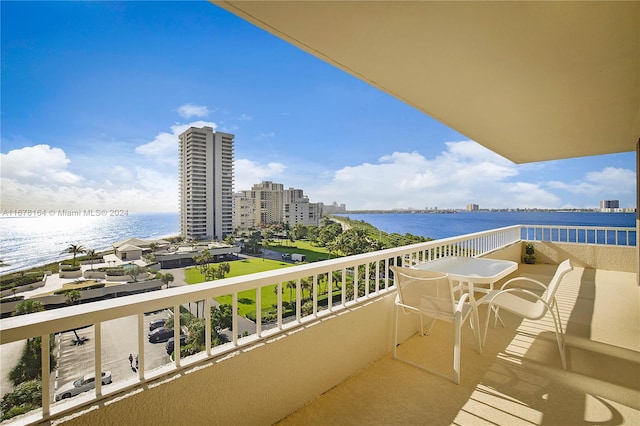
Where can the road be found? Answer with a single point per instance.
(9, 353)
(119, 339)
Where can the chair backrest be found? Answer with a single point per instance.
(552, 288)
(430, 292)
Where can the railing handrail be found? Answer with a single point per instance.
(596, 227)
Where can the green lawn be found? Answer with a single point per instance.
(246, 299)
(312, 253)
(238, 268)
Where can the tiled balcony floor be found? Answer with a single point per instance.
(518, 379)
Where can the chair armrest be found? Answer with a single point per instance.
(529, 280)
(462, 301)
(522, 291)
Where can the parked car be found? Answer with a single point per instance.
(157, 323)
(169, 346)
(159, 335)
(81, 384)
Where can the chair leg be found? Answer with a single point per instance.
(395, 334)
(475, 326)
(560, 336)
(496, 317)
(486, 324)
(433, 322)
(456, 349)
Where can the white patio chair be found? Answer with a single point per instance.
(431, 294)
(527, 304)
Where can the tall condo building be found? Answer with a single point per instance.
(206, 183)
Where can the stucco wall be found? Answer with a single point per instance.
(594, 256)
(265, 383)
(607, 257)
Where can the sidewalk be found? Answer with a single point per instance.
(54, 282)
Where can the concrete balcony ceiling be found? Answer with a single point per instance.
(531, 81)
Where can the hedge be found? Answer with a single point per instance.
(11, 281)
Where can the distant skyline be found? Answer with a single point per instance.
(94, 95)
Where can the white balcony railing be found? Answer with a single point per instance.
(368, 271)
(580, 234)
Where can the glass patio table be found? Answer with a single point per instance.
(471, 270)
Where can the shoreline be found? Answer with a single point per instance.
(64, 256)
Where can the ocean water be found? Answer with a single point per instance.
(26, 242)
(446, 225)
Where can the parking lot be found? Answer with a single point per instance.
(119, 339)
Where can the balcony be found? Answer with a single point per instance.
(334, 365)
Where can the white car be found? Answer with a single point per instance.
(82, 384)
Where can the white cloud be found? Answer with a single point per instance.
(248, 172)
(189, 110)
(164, 147)
(38, 164)
(465, 173)
(608, 183)
(37, 177)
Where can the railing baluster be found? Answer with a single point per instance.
(141, 336)
(298, 300)
(207, 325)
(344, 287)
(176, 334)
(45, 365)
(366, 279)
(314, 289)
(97, 353)
(234, 317)
(280, 305)
(259, 311)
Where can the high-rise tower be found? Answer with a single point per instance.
(206, 183)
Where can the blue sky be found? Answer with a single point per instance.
(94, 95)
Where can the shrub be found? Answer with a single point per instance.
(11, 281)
(115, 272)
(91, 287)
(30, 363)
(64, 267)
(11, 299)
(25, 397)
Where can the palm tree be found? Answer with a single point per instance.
(206, 257)
(225, 268)
(167, 279)
(74, 249)
(28, 307)
(306, 284)
(291, 285)
(72, 296)
(92, 255)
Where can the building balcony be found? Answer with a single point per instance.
(330, 363)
